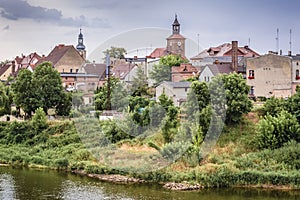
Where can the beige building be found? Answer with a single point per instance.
(295, 72)
(269, 75)
(174, 90)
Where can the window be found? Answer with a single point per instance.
(77, 70)
(251, 74)
(252, 90)
(71, 70)
(297, 74)
(208, 79)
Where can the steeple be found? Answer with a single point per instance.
(176, 26)
(80, 45)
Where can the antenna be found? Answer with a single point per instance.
(290, 40)
(198, 42)
(277, 40)
(248, 42)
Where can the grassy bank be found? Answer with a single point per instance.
(235, 160)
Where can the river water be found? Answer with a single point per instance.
(30, 184)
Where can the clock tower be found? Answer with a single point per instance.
(80, 46)
(176, 42)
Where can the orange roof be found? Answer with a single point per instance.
(159, 52)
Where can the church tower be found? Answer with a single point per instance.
(176, 42)
(80, 46)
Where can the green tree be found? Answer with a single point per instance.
(236, 91)
(292, 104)
(139, 85)
(275, 131)
(42, 88)
(162, 71)
(39, 120)
(116, 52)
(119, 98)
(172, 60)
(101, 93)
(5, 99)
(25, 95)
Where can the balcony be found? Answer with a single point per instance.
(250, 77)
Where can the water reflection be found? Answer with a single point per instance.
(32, 184)
(7, 187)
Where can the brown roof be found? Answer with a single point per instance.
(4, 68)
(56, 54)
(176, 36)
(158, 52)
(220, 69)
(95, 68)
(121, 70)
(225, 50)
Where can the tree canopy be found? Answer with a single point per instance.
(162, 71)
(115, 52)
(41, 88)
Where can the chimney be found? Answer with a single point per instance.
(13, 68)
(234, 56)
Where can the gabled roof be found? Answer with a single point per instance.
(4, 68)
(57, 53)
(121, 70)
(220, 69)
(225, 50)
(159, 52)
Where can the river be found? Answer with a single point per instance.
(32, 184)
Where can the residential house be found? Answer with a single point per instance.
(90, 75)
(295, 72)
(67, 61)
(27, 62)
(270, 75)
(183, 72)
(177, 91)
(125, 71)
(7, 70)
(212, 70)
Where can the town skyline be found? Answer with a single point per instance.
(38, 26)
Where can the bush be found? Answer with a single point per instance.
(274, 132)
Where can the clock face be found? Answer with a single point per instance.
(179, 43)
(80, 40)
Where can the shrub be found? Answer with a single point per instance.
(276, 131)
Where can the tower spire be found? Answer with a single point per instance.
(176, 25)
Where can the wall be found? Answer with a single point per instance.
(272, 75)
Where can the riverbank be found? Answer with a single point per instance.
(234, 161)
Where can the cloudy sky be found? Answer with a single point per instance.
(38, 25)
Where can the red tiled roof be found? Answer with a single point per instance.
(225, 50)
(158, 52)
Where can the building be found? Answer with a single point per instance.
(228, 53)
(211, 70)
(80, 46)
(295, 72)
(177, 91)
(184, 71)
(7, 70)
(270, 75)
(67, 61)
(27, 62)
(175, 43)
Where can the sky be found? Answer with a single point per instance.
(28, 26)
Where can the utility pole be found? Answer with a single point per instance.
(108, 105)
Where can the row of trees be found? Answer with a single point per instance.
(39, 89)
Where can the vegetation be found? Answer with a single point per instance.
(115, 52)
(43, 89)
(162, 71)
